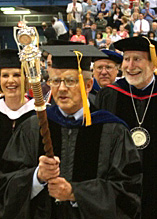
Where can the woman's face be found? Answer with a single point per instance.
(10, 80)
(135, 16)
(78, 32)
(117, 10)
(103, 6)
(108, 30)
(98, 36)
(121, 28)
(136, 9)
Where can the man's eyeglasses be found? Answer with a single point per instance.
(69, 82)
(108, 68)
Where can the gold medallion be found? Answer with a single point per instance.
(140, 137)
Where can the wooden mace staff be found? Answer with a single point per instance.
(27, 40)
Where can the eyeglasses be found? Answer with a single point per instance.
(108, 68)
(69, 82)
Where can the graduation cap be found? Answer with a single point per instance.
(140, 43)
(9, 58)
(75, 57)
(64, 56)
(114, 56)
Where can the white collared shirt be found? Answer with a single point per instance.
(77, 115)
(153, 78)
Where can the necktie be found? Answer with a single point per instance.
(140, 25)
(71, 118)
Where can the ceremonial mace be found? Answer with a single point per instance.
(27, 40)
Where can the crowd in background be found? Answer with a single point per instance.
(102, 23)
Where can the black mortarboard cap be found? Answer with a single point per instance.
(63, 56)
(134, 44)
(9, 58)
(114, 56)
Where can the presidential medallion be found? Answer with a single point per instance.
(140, 137)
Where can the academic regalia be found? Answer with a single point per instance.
(116, 98)
(9, 121)
(100, 160)
(94, 159)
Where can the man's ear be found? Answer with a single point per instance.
(89, 85)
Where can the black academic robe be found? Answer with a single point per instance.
(116, 98)
(8, 126)
(100, 161)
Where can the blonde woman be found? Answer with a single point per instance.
(12, 110)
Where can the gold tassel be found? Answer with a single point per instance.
(22, 83)
(152, 52)
(86, 111)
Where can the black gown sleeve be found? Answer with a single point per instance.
(106, 99)
(115, 193)
(16, 174)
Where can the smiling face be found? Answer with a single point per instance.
(78, 31)
(137, 68)
(10, 79)
(68, 98)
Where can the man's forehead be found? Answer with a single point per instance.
(104, 61)
(135, 53)
(57, 71)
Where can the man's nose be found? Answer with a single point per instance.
(130, 64)
(103, 70)
(62, 85)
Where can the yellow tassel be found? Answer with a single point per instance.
(22, 83)
(152, 52)
(86, 111)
